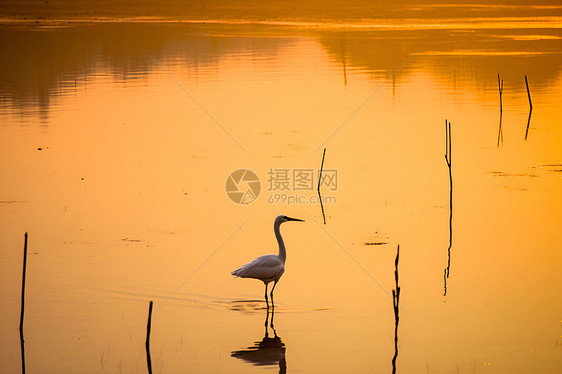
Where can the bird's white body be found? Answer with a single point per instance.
(268, 268)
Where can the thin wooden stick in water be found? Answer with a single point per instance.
(448, 159)
(319, 182)
(500, 89)
(23, 287)
(530, 108)
(528, 93)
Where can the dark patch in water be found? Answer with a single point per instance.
(247, 305)
(503, 174)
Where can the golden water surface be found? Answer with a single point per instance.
(117, 138)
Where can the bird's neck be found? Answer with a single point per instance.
(282, 251)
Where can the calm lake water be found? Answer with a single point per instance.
(117, 139)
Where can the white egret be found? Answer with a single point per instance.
(269, 267)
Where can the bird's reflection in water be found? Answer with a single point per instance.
(268, 351)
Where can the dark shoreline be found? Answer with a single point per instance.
(256, 11)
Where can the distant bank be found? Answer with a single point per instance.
(259, 10)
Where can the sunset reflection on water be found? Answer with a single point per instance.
(116, 141)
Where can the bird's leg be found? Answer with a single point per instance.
(272, 303)
(266, 302)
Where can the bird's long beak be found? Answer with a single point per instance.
(294, 219)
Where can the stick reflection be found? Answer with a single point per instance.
(528, 122)
(147, 342)
(500, 134)
(268, 351)
(22, 356)
(500, 89)
(343, 63)
(395, 304)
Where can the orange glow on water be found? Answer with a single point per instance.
(116, 148)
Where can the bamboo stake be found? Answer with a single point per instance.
(528, 93)
(500, 89)
(448, 159)
(319, 182)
